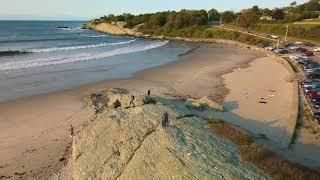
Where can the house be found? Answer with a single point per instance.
(268, 18)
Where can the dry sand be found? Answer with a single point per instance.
(34, 130)
(263, 99)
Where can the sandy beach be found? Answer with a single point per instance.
(263, 99)
(34, 130)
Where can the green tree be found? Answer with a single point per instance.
(266, 12)
(256, 10)
(247, 18)
(293, 4)
(312, 5)
(278, 14)
(214, 15)
(228, 17)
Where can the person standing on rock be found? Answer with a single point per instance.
(71, 131)
(149, 92)
(131, 102)
(165, 119)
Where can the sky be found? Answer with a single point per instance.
(89, 9)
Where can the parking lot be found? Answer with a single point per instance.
(307, 57)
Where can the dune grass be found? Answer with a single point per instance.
(260, 156)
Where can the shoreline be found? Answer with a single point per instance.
(161, 83)
(36, 127)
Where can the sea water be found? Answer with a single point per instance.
(40, 57)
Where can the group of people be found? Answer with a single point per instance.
(165, 117)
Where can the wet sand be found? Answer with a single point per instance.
(34, 130)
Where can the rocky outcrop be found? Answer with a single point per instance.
(204, 102)
(115, 28)
(130, 142)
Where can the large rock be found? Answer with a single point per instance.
(204, 102)
(130, 143)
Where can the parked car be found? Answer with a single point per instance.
(316, 105)
(281, 51)
(303, 62)
(315, 99)
(273, 36)
(293, 47)
(308, 53)
(308, 44)
(315, 89)
(314, 70)
(310, 84)
(317, 115)
(310, 81)
(271, 48)
(314, 94)
(308, 89)
(313, 75)
(301, 50)
(288, 45)
(297, 42)
(316, 49)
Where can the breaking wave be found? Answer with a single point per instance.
(80, 57)
(77, 47)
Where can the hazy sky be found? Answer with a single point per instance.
(87, 9)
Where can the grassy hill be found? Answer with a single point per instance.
(300, 30)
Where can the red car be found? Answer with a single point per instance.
(314, 95)
(308, 53)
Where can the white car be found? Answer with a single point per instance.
(293, 47)
(271, 48)
(297, 42)
(274, 36)
(297, 57)
(316, 49)
(311, 70)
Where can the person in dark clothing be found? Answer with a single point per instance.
(131, 102)
(71, 131)
(165, 119)
(149, 92)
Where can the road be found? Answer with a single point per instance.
(264, 37)
(245, 32)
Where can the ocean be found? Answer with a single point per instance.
(40, 57)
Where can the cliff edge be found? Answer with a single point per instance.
(130, 140)
(115, 28)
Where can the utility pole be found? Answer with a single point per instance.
(287, 29)
(237, 21)
(220, 19)
(278, 43)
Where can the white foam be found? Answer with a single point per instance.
(94, 36)
(79, 57)
(44, 50)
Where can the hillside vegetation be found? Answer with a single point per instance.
(195, 23)
(302, 31)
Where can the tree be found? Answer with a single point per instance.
(312, 5)
(256, 10)
(293, 4)
(214, 15)
(228, 17)
(247, 18)
(278, 14)
(266, 12)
